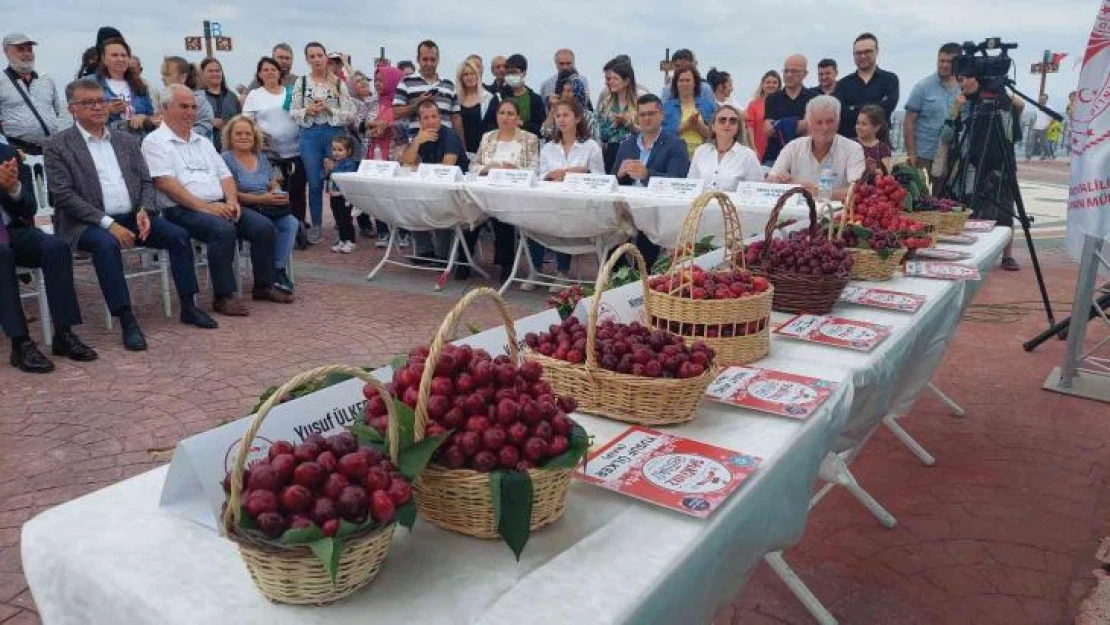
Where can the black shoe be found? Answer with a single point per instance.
(282, 281)
(194, 316)
(367, 233)
(27, 357)
(67, 344)
(506, 272)
(133, 338)
(301, 242)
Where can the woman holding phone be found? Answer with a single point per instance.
(129, 104)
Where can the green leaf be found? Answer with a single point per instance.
(245, 520)
(514, 516)
(366, 435)
(302, 536)
(327, 552)
(334, 378)
(473, 329)
(406, 423)
(495, 494)
(399, 361)
(576, 450)
(413, 459)
(406, 514)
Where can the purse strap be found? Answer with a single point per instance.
(27, 98)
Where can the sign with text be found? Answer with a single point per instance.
(589, 183)
(677, 188)
(766, 390)
(378, 169)
(882, 298)
(765, 194)
(511, 177)
(835, 331)
(439, 173)
(940, 270)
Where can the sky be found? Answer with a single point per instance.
(744, 38)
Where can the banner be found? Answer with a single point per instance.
(1089, 141)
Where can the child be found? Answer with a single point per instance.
(342, 160)
(873, 133)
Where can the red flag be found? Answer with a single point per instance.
(1057, 57)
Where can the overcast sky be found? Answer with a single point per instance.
(745, 38)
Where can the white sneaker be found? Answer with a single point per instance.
(347, 247)
(338, 247)
(404, 240)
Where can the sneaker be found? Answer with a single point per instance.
(282, 281)
(1010, 264)
(528, 286)
(347, 247)
(404, 240)
(313, 234)
(562, 279)
(382, 242)
(338, 247)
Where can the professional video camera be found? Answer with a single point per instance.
(990, 71)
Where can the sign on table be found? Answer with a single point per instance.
(979, 225)
(676, 473)
(936, 253)
(589, 183)
(835, 331)
(766, 390)
(940, 271)
(957, 239)
(765, 194)
(439, 173)
(378, 169)
(882, 298)
(677, 188)
(512, 177)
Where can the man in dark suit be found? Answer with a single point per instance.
(104, 201)
(651, 152)
(21, 243)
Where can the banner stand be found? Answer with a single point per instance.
(1084, 374)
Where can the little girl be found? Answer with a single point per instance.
(342, 160)
(873, 133)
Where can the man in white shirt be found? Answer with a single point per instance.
(1038, 136)
(104, 203)
(802, 159)
(197, 192)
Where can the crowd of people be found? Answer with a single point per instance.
(197, 161)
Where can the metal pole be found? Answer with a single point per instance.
(1084, 292)
(208, 43)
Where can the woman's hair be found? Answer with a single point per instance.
(90, 62)
(716, 78)
(229, 127)
(472, 66)
(739, 117)
(138, 87)
(877, 116)
(223, 77)
(347, 142)
(511, 102)
(266, 60)
(759, 88)
(314, 44)
(679, 73)
(181, 66)
(625, 71)
(582, 129)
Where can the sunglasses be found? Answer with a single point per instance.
(728, 120)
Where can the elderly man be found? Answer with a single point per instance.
(29, 106)
(927, 109)
(497, 68)
(197, 192)
(104, 202)
(22, 244)
(801, 161)
(784, 119)
(564, 62)
(867, 85)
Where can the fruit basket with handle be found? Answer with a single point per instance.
(293, 573)
(622, 396)
(945, 216)
(868, 263)
(734, 319)
(460, 500)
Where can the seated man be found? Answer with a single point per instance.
(651, 152)
(197, 192)
(800, 162)
(21, 243)
(103, 198)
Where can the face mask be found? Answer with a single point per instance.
(514, 80)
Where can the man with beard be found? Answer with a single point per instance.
(29, 106)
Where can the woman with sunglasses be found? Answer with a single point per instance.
(723, 161)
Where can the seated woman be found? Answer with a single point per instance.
(571, 150)
(685, 114)
(723, 161)
(259, 189)
(802, 159)
(508, 147)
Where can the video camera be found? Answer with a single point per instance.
(976, 62)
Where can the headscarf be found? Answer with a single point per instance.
(391, 77)
(579, 87)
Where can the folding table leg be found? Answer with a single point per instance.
(520, 251)
(812, 604)
(385, 258)
(467, 254)
(164, 274)
(442, 279)
(44, 307)
(835, 471)
(947, 401)
(891, 423)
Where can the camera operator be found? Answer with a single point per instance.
(982, 151)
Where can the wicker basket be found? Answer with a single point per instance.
(746, 318)
(797, 292)
(622, 396)
(459, 499)
(868, 264)
(292, 574)
(943, 223)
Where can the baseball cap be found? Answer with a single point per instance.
(18, 39)
(338, 56)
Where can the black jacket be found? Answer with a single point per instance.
(669, 158)
(20, 210)
(536, 115)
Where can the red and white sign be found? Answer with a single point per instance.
(958, 239)
(835, 331)
(979, 225)
(940, 271)
(882, 298)
(676, 473)
(936, 253)
(766, 390)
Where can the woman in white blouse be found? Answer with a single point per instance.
(723, 161)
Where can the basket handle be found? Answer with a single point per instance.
(688, 238)
(599, 288)
(232, 513)
(446, 330)
(773, 218)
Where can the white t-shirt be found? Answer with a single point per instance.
(739, 164)
(1041, 122)
(194, 163)
(797, 159)
(274, 121)
(582, 154)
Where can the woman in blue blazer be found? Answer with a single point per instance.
(688, 115)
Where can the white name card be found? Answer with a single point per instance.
(378, 169)
(511, 177)
(439, 173)
(590, 183)
(765, 194)
(678, 188)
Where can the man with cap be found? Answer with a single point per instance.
(29, 105)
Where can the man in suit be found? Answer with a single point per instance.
(104, 202)
(22, 244)
(651, 152)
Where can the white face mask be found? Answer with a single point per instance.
(514, 80)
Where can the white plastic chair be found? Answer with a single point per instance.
(37, 290)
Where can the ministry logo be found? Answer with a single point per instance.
(1090, 126)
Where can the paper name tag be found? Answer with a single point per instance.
(764, 194)
(511, 177)
(590, 183)
(679, 188)
(378, 169)
(439, 173)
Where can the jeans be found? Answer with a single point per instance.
(221, 236)
(284, 240)
(31, 247)
(537, 251)
(315, 147)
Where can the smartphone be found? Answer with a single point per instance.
(279, 192)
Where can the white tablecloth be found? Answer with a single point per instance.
(410, 203)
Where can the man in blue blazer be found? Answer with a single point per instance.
(651, 152)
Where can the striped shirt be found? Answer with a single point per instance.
(412, 87)
(16, 119)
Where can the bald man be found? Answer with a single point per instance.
(786, 108)
(497, 68)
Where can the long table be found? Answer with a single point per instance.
(114, 557)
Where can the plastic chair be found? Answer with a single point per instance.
(38, 291)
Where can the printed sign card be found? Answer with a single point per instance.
(677, 188)
(958, 239)
(941, 271)
(766, 390)
(835, 331)
(439, 173)
(676, 473)
(882, 298)
(378, 169)
(979, 225)
(511, 178)
(589, 183)
(936, 253)
(764, 194)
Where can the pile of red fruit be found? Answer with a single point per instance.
(930, 203)
(803, 254)
(319, 482)
(630, 348)
(710, 285)
(502, 416)
(876, 240)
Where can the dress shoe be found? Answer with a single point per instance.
(133, 339)
(231, 306)
(67, 344)
(27, 357)
(194, 316)
(272, 294)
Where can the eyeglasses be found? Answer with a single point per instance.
(187, 107)
(867, 52)
(729, 120)
(91, 103)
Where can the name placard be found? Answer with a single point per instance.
(590, 183)
(678, 188)
(439, 173)
(511, 177)
(378, 169)
(765, 194)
